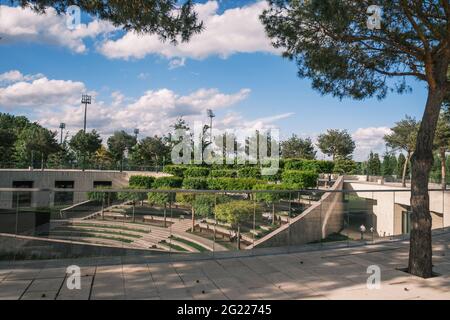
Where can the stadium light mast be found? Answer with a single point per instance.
(211, 115)
(85, 99)
(62, 126)
(136, 133)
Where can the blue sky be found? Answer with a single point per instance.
(140, 82)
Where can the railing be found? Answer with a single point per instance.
(181, 224)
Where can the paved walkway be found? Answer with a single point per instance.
(328, 274)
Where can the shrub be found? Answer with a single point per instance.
(203, 204)
(144, 182)
(223, 173)
(300, 179)
(100, 196)
(176, 170)
(249, 172)
(319, 166)
(270, 197)
(168, 182)
(195, 183)
(236, 212)
(131, 196)
(344, 166)
(232, 183)
(196, 172)
(160, 198)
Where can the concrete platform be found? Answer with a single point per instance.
(326, 274)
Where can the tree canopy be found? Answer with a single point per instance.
(336, 143)
(169, 19)
(296, 147)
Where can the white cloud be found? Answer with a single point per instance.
(236, 30)
(40, 92)
(16, 76)
(17, 24)
(177, 63)
(369, 139)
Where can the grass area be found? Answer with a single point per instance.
(98, 234)
(173, 246)
(191, 244)
(105, 226)
(76, 230)
(334, 237)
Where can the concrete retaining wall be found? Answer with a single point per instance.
(315, 223)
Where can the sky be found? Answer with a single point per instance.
(137, 81)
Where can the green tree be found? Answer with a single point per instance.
(85, 145)
(296, 147)
(442, 142)
(118, 143)
(162, 199)
(235, 213)
(133, 197)
(389, 165)
(35, 143)
(334, 45)
(403, 138)
(151, 151)
(102, 158)
(401, 164)
(374, 164)
(166, 18)
(336, 143)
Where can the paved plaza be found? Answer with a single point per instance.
(325, 274)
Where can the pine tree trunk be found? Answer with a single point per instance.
(443, 169)
(405, 167)
(420, 252)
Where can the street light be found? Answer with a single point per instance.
(85, 99)
(210, 115)
(62, 126)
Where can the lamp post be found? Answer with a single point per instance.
(210, 115)
(85, 99)
(62, 126)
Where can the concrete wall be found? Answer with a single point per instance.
(391, 198)
(315, 223)
(83, 180)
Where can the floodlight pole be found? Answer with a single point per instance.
(211, 115)
(85, 99)
(62, 126)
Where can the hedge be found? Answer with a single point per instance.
(168, 182)
(195, 172)
(300, 179)
(203, 204)
(195, 183)
(270, 197)
(144, 182)
(319, 166)
(232, 183)
(223, 173)
(175, 170)
(161, 198)
(249, 172)
(344, 166)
